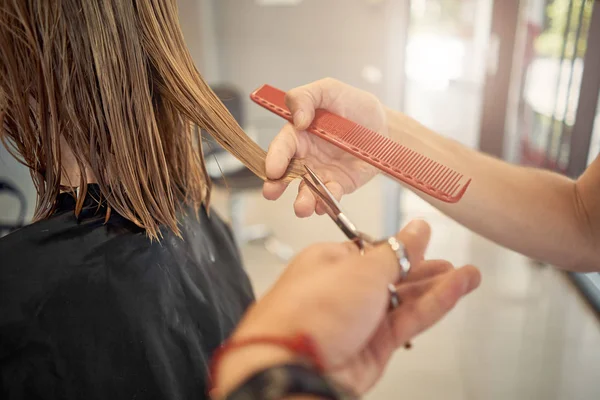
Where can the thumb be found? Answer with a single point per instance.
(304, 100)
(302, 103)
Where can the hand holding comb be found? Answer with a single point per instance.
(390, 157)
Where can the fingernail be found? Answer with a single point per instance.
(299, 118)
(465, 286)
(416, 226)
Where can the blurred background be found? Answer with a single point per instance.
(517, 79)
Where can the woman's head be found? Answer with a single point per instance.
(112, 80)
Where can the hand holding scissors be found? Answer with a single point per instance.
(362, 240)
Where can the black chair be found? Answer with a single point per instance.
(227, 172)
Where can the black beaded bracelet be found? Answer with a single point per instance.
(282, 381)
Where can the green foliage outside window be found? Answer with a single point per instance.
(550, 42)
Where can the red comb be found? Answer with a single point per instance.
(394, 159)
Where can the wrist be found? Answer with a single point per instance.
(411, 133)
(290, 382)
(244, 355)
(239, 364)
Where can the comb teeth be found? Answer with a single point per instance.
(403, 160)
(391, 157)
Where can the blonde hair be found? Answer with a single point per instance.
(115, 81)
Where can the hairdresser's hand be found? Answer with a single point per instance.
(340, 299)
(342, 172)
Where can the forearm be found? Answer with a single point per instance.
(532, 211)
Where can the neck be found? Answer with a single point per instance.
(71, 175)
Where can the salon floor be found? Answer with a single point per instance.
(526, 333)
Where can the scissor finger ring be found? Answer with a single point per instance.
(394, 298)
(395, 301)
(401, 254)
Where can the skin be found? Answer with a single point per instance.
(339, 298)
(71, 175)
(541, 214)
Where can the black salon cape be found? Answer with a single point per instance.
(95, 310)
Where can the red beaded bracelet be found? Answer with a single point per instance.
(301, 344)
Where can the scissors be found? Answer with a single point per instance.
(334, 210)
(362, 240)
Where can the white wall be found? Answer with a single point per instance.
(198, 25)
(287, 46)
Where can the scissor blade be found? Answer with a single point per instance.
(324, 192)
(330, 208)
(331, 204)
